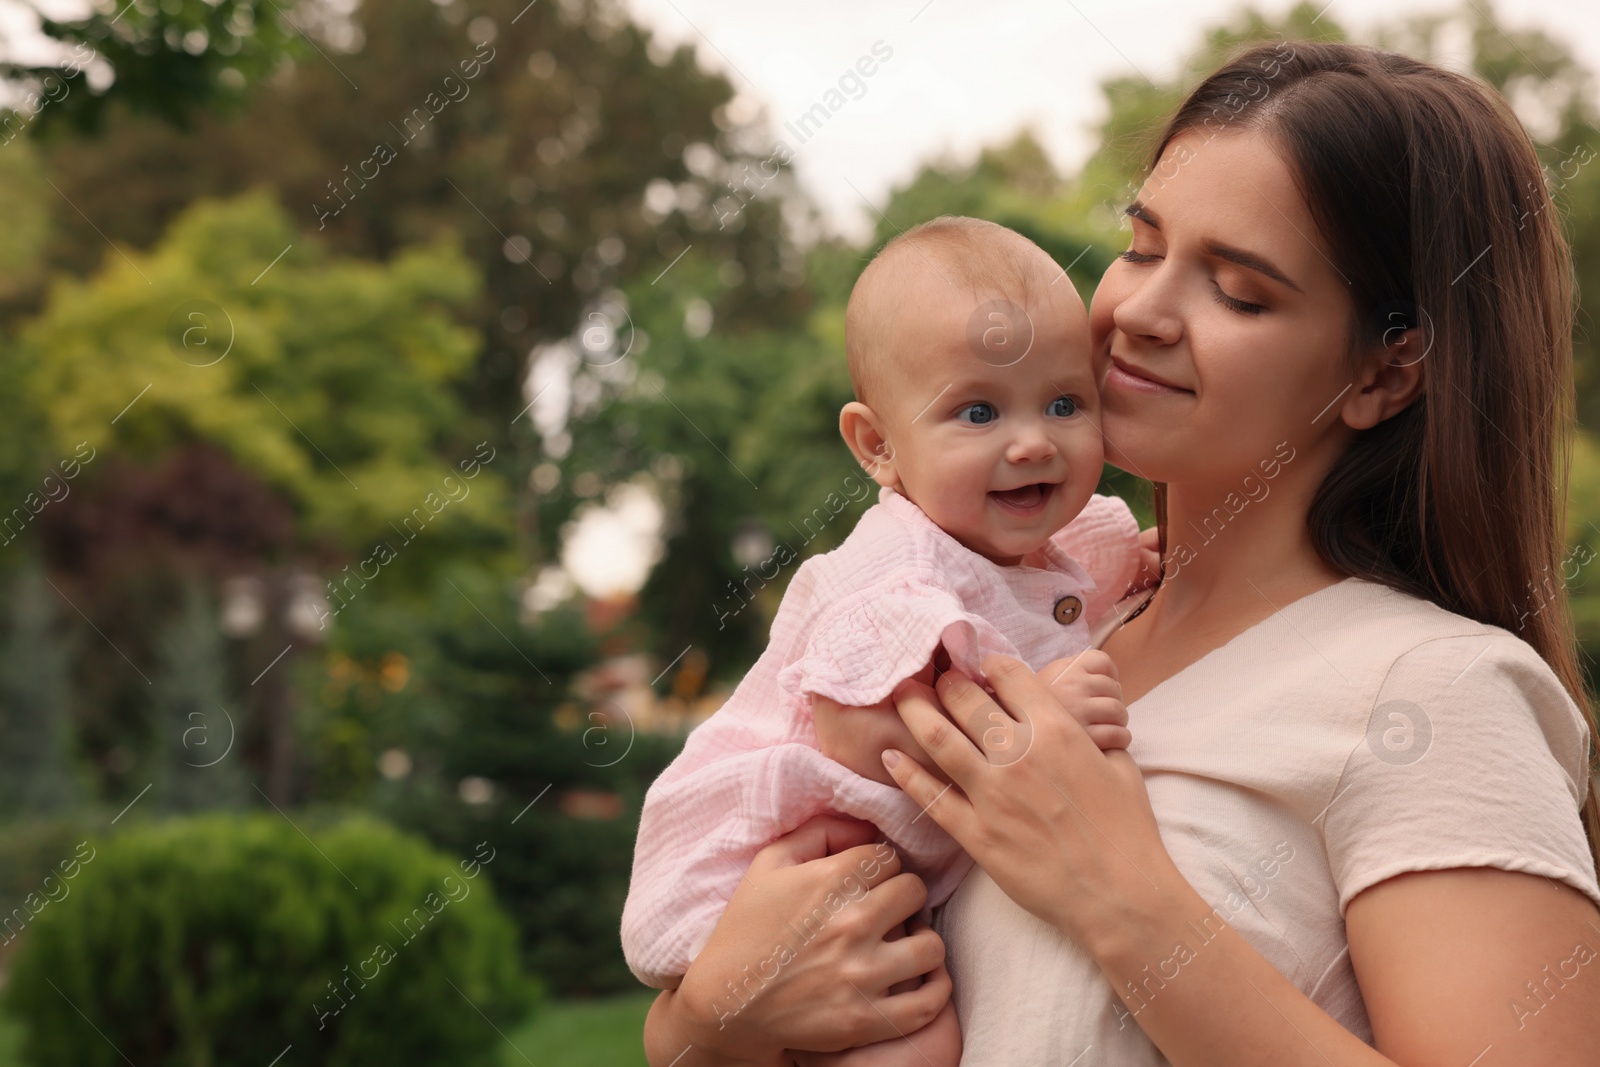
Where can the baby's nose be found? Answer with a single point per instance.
(1031, 445)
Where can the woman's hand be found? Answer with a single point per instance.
(799, 958)
(1064, 829)
(857, 736)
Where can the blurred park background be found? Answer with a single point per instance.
(402, 405)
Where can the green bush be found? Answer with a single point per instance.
(224, 939)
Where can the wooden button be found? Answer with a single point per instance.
(1068, 608)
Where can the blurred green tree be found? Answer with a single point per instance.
(38, 772)
(199, 763)
(170, 59)
(263, 408)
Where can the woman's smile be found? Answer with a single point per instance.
(1124, 376)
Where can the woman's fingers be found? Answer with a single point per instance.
(896, 900)
(911, 1011)
(943, 802)
(923, 710)
(1017, 686)
(916, 954)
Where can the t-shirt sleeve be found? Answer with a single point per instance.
(864, 645)
(1104, 539)
(1473, 755)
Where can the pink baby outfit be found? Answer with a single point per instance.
(853, 623)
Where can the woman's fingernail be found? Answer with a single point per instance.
(890, 758)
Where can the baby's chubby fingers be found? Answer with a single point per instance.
(1087, 686)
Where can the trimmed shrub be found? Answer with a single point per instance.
(224, 939)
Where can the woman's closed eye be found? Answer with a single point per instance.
(1243, 307)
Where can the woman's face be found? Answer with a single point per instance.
(1228, 296)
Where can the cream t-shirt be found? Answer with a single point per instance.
(1355, 734)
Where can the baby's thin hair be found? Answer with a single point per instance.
(972, 256)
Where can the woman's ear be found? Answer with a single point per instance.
(863, 431)
(1391, 378)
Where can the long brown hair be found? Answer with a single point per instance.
(1433, 203)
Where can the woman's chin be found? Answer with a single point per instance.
(1145, 449)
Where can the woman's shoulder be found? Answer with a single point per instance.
(1407, 641)
(1468, 733)
(1390, 625)
(1432, 674)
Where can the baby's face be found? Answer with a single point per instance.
(995, 434)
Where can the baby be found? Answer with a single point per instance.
(977, 413)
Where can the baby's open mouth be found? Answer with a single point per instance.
(1024, 499)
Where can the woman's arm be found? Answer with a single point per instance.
(799, 958)
(1069, 834)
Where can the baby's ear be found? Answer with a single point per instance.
(863, 431)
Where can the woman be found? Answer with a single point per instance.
(1339, 345)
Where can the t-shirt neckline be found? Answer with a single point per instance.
(1278, 615)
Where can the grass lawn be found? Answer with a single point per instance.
(584, 1033)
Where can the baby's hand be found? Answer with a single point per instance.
(1087, 686)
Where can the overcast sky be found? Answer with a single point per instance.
(964, 74)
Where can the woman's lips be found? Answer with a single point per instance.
(1026, 500)
(1126, 379)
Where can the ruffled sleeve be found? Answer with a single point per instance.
(863, 646)
(1104, 539)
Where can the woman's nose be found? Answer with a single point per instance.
(1147, 310)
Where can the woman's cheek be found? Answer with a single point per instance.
(1111, 291)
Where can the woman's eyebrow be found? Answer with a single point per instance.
(1250, 261)
(1136, 210)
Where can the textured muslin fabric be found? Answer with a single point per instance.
(852, 624)
(1355, 734)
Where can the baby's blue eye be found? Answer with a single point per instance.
(1063, 406)
(981, 413)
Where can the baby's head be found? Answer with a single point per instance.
(975, 389)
